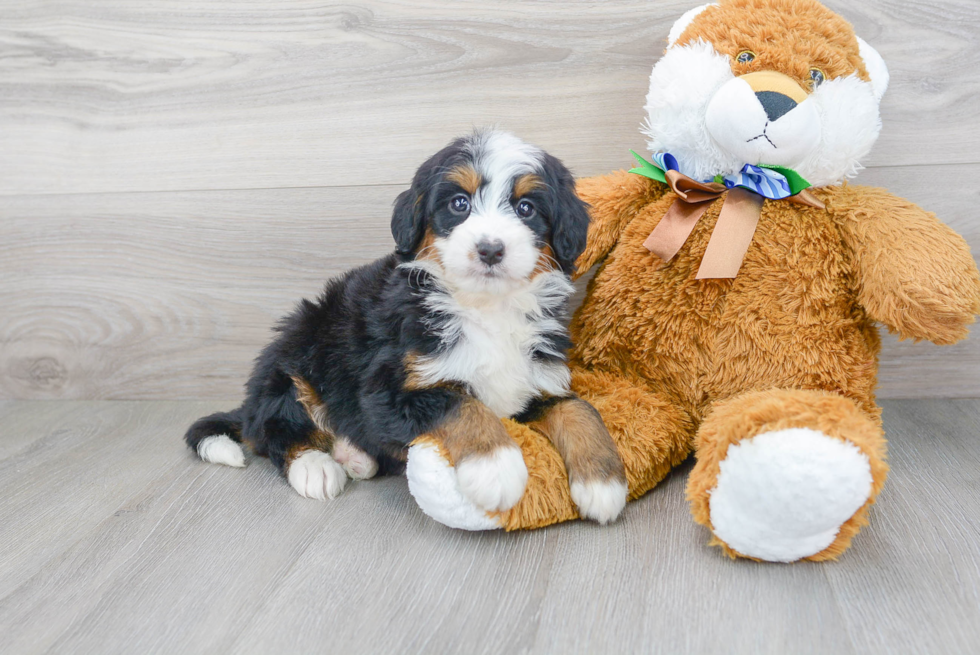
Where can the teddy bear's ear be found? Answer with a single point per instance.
(683, 22)
(876, 68)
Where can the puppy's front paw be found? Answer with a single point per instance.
(315, 474)
(600, 500)
(494, 482)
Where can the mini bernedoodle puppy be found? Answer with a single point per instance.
(460, 326)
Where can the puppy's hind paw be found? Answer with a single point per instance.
(493, 482)
(600, 500)
(315, 474)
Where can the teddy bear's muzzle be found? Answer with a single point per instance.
(764, 118)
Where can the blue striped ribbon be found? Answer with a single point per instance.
(764, 181)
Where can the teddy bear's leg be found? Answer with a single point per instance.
(652, 436)
(786, 474)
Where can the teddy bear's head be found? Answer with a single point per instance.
(779, 82)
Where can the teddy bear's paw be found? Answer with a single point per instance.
(432, 482)
(494, 482)
(783, 495)
(315, 474)
(599, 500)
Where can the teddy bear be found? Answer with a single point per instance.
(740, 283)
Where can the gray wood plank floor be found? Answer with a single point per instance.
(116, 540)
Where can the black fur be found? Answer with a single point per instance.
(352, 342)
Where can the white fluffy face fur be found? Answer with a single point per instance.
(713, 122)
(499, 158)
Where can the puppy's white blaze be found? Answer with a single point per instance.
(493, 338)
(432, 482)
(784, 495)
(601, 501)
(221, 449)
(357, 463)
(493, 482)
(315, 474)
(501, 157)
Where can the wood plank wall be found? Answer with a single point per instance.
(174, 175)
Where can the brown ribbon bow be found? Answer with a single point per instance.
(733, 232)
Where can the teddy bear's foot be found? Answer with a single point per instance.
(783, 495)
(784, 475)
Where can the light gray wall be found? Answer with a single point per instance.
(172, 180)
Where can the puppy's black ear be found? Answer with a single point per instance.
(570, 215)
(408, 221)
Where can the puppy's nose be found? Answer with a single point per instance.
(490, 252)
(775, 104)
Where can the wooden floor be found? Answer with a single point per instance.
(116, 540)
(175, 176)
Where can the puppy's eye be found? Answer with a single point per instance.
(525, 209)
(745, 57)
(460, 204)
(816, 77)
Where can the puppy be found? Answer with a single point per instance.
(460, 326)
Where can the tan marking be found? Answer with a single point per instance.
(546, 262)
(581, 438)
(413, 379)
(323, 437)
(472, 430)
(465, 177)
(775, 82)
(310, 400)
(427, 249)
(525, 184)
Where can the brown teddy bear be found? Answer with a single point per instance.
(734, 311)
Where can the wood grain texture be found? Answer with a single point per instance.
(123, 542)
(171, 295)
(126, 96)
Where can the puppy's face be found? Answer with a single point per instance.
(491, 211)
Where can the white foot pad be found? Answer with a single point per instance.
(432, 482)
(783, 495)
(600, 501)
(221, 449)
(315, 474)
(494, 482)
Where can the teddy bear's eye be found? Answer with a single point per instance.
(745, 56)
(816, 77)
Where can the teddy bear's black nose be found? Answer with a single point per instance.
(775, 104)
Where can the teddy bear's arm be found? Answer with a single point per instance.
(615, 199)
(913, 273)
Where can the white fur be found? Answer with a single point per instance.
(221, 449)
(600, 501)
(493, 337)
(876, 67)
(357, 463)
(493, 482)
(823, 139)
(315, 474)
(737, 122)
(432, 482)
(783, 495)
(681, 24)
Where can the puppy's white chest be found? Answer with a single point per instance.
(493, 355)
